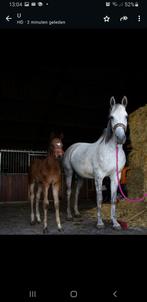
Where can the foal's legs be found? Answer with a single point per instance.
(37, 203)
(55, 190)
(78, 187)
(98, 185)
(68, 184)
(32, 195)
(45, 206)
(114, 186)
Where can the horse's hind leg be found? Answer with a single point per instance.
(68, 184)
(37, 203)
(32, 195)
(45, 206)
(78, 187)
(55, 190)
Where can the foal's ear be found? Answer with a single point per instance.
(124, 101)
(61, 136)
(52, 135)
(112, 101)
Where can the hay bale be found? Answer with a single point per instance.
(137, 175)
(138, 127)
(135, 182)
(145, 171)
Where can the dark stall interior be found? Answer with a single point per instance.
(65, 87)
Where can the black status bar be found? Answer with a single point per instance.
(73, 14)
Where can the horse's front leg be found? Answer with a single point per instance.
(99, 198)
(114, 186)
(55, 190)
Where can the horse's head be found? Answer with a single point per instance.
(56, 147)
(117, 124)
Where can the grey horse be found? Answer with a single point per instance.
(98, 160)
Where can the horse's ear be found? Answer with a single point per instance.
(124, 101)
(112, 101)
(108, 132)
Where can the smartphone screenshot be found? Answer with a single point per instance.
(73, 150)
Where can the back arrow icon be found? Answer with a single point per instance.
(8, 18)
(115, 294)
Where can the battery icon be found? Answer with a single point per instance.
(40, 4)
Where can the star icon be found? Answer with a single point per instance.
(106, 19)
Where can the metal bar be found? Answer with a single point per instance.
(28, 159)
(13, 164)
(7, 162)
(0, 161)
(17, 161)
(24, 151)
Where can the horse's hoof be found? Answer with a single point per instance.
(60, 229)
(100, 226)
(117, 227)
(45, 230)
(78, 215)
(32, 222)
(69, 218)
(38, 221)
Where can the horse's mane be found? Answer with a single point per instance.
(102, 137)
(107, 133)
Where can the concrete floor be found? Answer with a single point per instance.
(15, 220)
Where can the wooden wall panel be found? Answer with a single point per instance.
(14, 187)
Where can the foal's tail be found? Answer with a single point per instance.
(31, 190)
(31, 184)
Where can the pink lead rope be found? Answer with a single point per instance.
(128, 199)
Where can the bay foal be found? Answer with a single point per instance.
(44, 173)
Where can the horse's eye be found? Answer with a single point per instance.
(111, 117)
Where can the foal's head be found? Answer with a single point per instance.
(56, 147)
(117, 124)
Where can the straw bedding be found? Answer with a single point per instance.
(135, 214)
